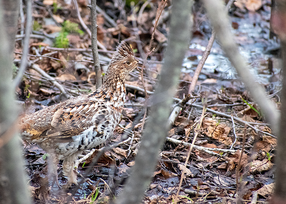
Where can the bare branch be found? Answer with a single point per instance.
(97, 68)
(28, 29)
(220, 22)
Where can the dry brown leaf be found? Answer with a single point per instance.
(167, 174)
(73, 39)
(266, 190)
(35, 74)
(210, 81)
(52, 28)
(160, 37)
(58, 18)
(63, 60)
(222, 166)
(124, 30)
(49, 2)
(234, 159)
(259, 166)
(131, 163)
(47, 91)
(253, 5)
(217, 131)
(262, 146)
(120, 151)
(187, 77)
(55, 64)
(100, 20)
(186, 170)
(270, 140)
(66, 77)
(40, 44)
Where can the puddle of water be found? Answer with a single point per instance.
(252, 43)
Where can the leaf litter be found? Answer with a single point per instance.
(210, 174)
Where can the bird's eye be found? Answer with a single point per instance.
(128, 62)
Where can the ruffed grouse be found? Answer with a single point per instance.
(66, 129)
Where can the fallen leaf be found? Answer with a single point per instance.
(209, 81)
(58, 18)
(66, 77)
(52, 28)
(186, 170)
(266, 190)
(253, 5)
(120, 151)
(259, 166)
(49, 2)
(218, 131)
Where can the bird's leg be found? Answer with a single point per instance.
(68, 169)
(52, 169)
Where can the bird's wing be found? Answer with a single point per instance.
(74, 118)
(63, 120)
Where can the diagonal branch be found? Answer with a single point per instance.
(221, 25)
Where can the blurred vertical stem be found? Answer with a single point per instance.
(97, 68)
(156, 129)
(13, 185)
(278, 22)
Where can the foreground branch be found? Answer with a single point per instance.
(13, 185)
(220, 22)
(156, 129)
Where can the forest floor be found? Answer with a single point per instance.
(234, 152)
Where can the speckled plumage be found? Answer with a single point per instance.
(66, 129)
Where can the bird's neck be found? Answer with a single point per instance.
(112, 90)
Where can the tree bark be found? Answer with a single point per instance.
(156, 128)
(13, 188)
(278, 21)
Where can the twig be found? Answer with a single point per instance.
(141, 11)
(22, 18)
(205, 149)
(28, 29)
(158, 14)
(177, 109)
(235, 136)
(53, 80)
(238, 166)
(52, 16)
(138, 89)
(80, 19)
(160, 9)
(201, 63)
(135, 29)
(84, 26)
(97, 68)
(204, 57)
(106, 16)
(197, 129)
(19, 37)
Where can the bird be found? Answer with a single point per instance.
(66, 129)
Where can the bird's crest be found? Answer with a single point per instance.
(123, 50)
